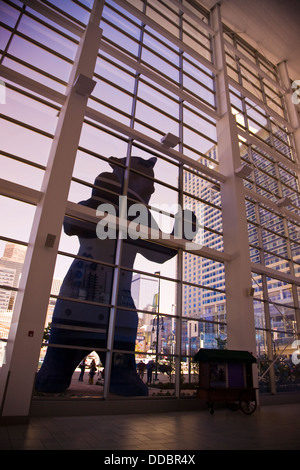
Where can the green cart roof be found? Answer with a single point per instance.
(223, 355)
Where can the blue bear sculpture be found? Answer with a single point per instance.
(80, 326)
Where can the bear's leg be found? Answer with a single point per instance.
(59, 364)
(58, 367)
(124, 378)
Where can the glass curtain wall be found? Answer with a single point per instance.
(267, 146)
(145, 305)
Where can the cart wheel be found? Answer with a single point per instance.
(247, 405)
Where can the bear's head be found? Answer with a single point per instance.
(140, 177)
(110, 185)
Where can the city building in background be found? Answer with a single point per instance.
(11, 264)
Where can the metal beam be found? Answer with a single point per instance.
(157, 145)
(171, 37)
(239, 305)
(134, 64)
(260, 103)
(278, 157)
(55, 16)
(255, 67)
(20, 192)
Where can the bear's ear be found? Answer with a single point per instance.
(114, 160)
(151, 162)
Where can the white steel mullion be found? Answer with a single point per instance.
(86, 213)
(139, 136)
(271, 151)
(171, 37)
(179, 264)
(238, 281)
(156, 78)
(102, 118)
(260, 103)
(55, 16)
(191, 13)
(275, 274)
(112, 316)
(32, 85)
(20, 192)
(254, 66)
(268, 332)
(282, 211)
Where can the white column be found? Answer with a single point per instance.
(26, 332)
(239, 303)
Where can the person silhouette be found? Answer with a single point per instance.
(82, 366)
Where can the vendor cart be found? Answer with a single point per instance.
(226, 376)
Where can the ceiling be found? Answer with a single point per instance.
(270, 26)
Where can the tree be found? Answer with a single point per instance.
(221, 343)
(46, 334)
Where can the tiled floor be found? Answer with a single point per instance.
(271, 427)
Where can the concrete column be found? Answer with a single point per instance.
(26, 332)
(239, 302)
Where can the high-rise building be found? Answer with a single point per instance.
(11, 264)
(144, 290)
(205, 299)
